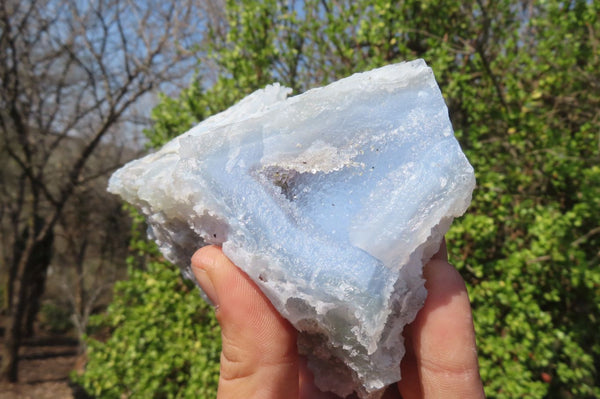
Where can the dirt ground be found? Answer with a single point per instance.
(44, 367)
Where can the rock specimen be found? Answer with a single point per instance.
(331, 201)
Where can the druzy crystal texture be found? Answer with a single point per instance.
(331, 201)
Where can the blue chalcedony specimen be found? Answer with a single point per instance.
(331, 201)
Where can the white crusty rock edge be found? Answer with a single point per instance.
(331, 201)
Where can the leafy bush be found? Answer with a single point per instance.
(164, 341)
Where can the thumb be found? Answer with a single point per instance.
(259, 358)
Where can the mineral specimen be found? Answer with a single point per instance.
(331, 201)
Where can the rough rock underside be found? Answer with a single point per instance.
(331, 201)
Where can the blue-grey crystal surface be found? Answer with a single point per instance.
(331, 201)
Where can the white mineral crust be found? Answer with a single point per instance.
(331, 201)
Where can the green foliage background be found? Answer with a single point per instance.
(164, 341)
(522, 83)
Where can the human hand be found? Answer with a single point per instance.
(260, 359)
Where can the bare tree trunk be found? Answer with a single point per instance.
(80, 299)
(17, 253)
(34, 254)
(12, 338)
(12, 272)
(37, 270)
(12, 343)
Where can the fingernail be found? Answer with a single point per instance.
(207, 286)
(202, 261)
